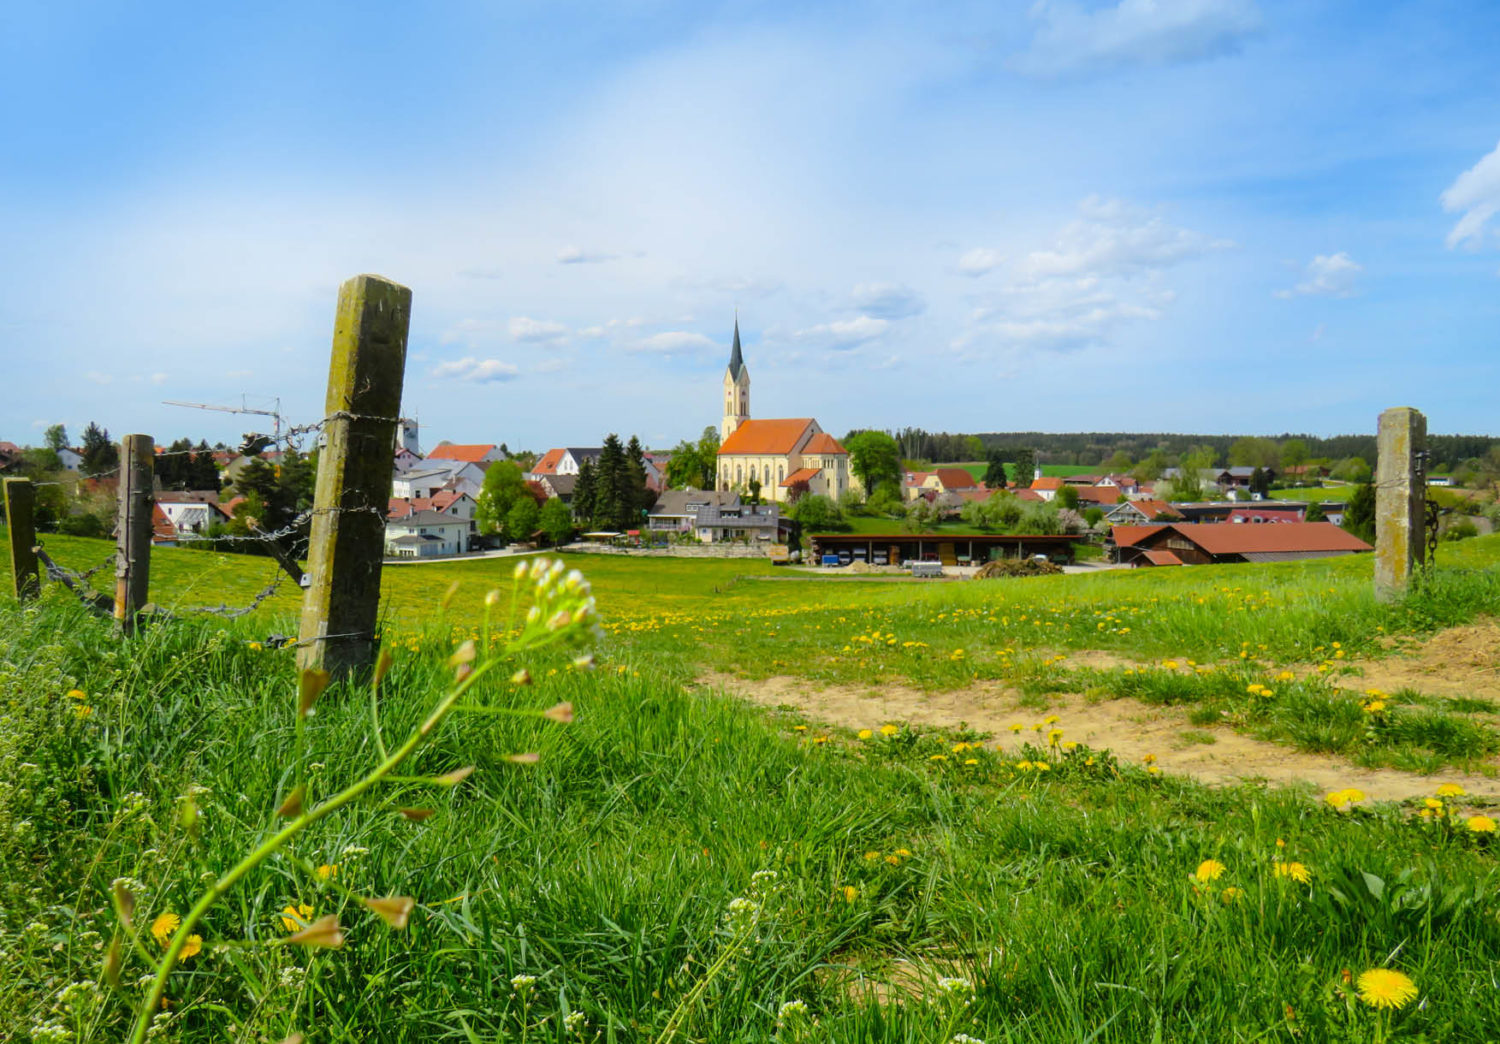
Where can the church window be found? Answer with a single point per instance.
(738, 474)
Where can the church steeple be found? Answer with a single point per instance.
(736, 388)
(736, 361)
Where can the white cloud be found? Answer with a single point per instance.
(671, 342)
(843, 334)
(1114, 238)
(550, 366)
(158, 378)
(97, 377)
(1327, 275)
(978, 261)
(476, 371)
(536, 331)
(572, 255)
(239, 375)
(1071, 38)
(1476, 195)
(592, 332)
(888, 300)
(1104, 269)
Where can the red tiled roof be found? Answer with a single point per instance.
(823, 442)
(956, 478)
(161, 525)
(1047, 482)
(1163, 558)
(1029, 494)
(549, 462)
(916, 478)
(979, 496)
(800, 475)
(1220, 539)
(472, 454)
(1154, 509)
(766, 436)
(1098, 494)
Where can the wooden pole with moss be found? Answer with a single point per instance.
(20, 521)
(357, 451)
(1400, 500)
(133, 541)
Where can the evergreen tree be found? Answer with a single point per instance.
(205, 472)
(994, 474)
(585, 492)
(754, 489)
(641, 497)
(1314, 513)
(175, 466)
(614, 496)
(99, 453)
(1359, 516)
(1025, 460)
(57, 438)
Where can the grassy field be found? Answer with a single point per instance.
(927, 884)
(977, 468)
(1320, 494)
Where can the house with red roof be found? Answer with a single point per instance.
(1201, 543)
(785, 457)
(482, 454)
(1046, 486)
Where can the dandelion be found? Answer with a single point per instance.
(193, 947)
(1296, 871)
(1385, 988)
(1480, 825)
(163, 927)
(1450, 790)
(888, 730)
(850, 893)
(1433, 803)
(1051, 719)
(1209, 870)
(1054, 736)
(1149, 759)
(871, 856)
(865, 734)
(77, 694)
(1232, 894)
(295, 917)
(1017, 727)
(328, 871)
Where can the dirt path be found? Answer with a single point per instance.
(1129, 728)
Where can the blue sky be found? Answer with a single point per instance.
(1183, 215)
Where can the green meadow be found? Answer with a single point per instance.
(679, 865)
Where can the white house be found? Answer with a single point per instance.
(433, 476)
(189, 517)
(425, 534)
(70, 459)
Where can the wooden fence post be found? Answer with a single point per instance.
(133, 542)
(20, 502)
(365, 375)
(1400, 500)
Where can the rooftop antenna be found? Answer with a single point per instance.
(252, 443)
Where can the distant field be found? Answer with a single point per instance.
(978, 468)
(1326, 493)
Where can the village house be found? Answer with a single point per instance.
(425, 534)
(1046, 486)
(1140, 512)
(445, 502)
(1187, 543)
(482, 454)
(783, 456)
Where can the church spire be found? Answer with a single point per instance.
(736, 361)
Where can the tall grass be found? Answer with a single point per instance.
(606, 869)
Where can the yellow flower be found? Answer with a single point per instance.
(1051, 719)
(255, 646)
(296, 917)
(1432, 803)
(904, 853)
(83, 710)
(1209, 870)
(193, 947)
(1069, 745)
(1342, 799)
(894, 860)
(1385, 988)
(1296, 871)
(1170, 665)
(871, 856)
(888, 730)
(1023, 766)
(163, 927)
(1450, 790)
(1042, 766)
(938, 757)
(1017, 727)
(1286, 676)
(850, 893)
(799, 728)
(77, 694)
(1149, 759)
(1053, 735)
(1480, 824)
(1374, 707)
(1232, 893)
(865, 734)
(327, 871)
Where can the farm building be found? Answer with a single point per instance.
(896, 548)
(1187, 543)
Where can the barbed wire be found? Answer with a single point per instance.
(232, 614)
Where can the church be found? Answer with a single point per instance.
(787, 456)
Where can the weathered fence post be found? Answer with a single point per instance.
(133, 541)
(340, 609)
(20, 503)
(1400, 500)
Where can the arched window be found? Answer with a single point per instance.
(766, 471)
(738, 474)
(780, 474)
